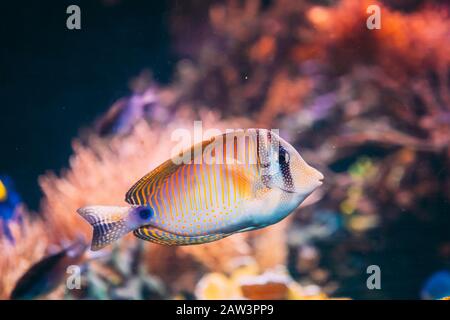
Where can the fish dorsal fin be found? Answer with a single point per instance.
(138, 194)
(170, 239)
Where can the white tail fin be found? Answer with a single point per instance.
(109, 223)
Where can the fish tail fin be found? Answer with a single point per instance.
(109, 223)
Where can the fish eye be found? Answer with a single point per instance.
(145, 213)
(284, 156)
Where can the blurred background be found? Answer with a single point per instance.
(85, 113)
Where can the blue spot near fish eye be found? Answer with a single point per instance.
(145, 213)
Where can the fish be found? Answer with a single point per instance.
(9, 203)
(9, 199)
(437, 286)
(47, 274)
(233, 182)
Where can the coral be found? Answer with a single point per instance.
(256, 76)
(247, 282)
(29, 245)
(393, 48)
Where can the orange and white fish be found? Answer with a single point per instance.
(231, 183)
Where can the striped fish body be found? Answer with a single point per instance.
(204, 202)
(230, 183)
(224, 194)
(200, 200)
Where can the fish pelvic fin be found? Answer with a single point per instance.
(110, 223)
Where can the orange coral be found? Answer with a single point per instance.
(406, 44)
(284, 96)
(264, 49)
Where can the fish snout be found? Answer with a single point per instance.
(315, 178)
(319, 177)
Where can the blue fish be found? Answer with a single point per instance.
(437, 286)
(9, 201)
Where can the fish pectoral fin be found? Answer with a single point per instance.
(242, 176)
(171, 239)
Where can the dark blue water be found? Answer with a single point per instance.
(54, 81)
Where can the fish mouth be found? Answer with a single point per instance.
(288, 191)
(319, 182)
(320, 178)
